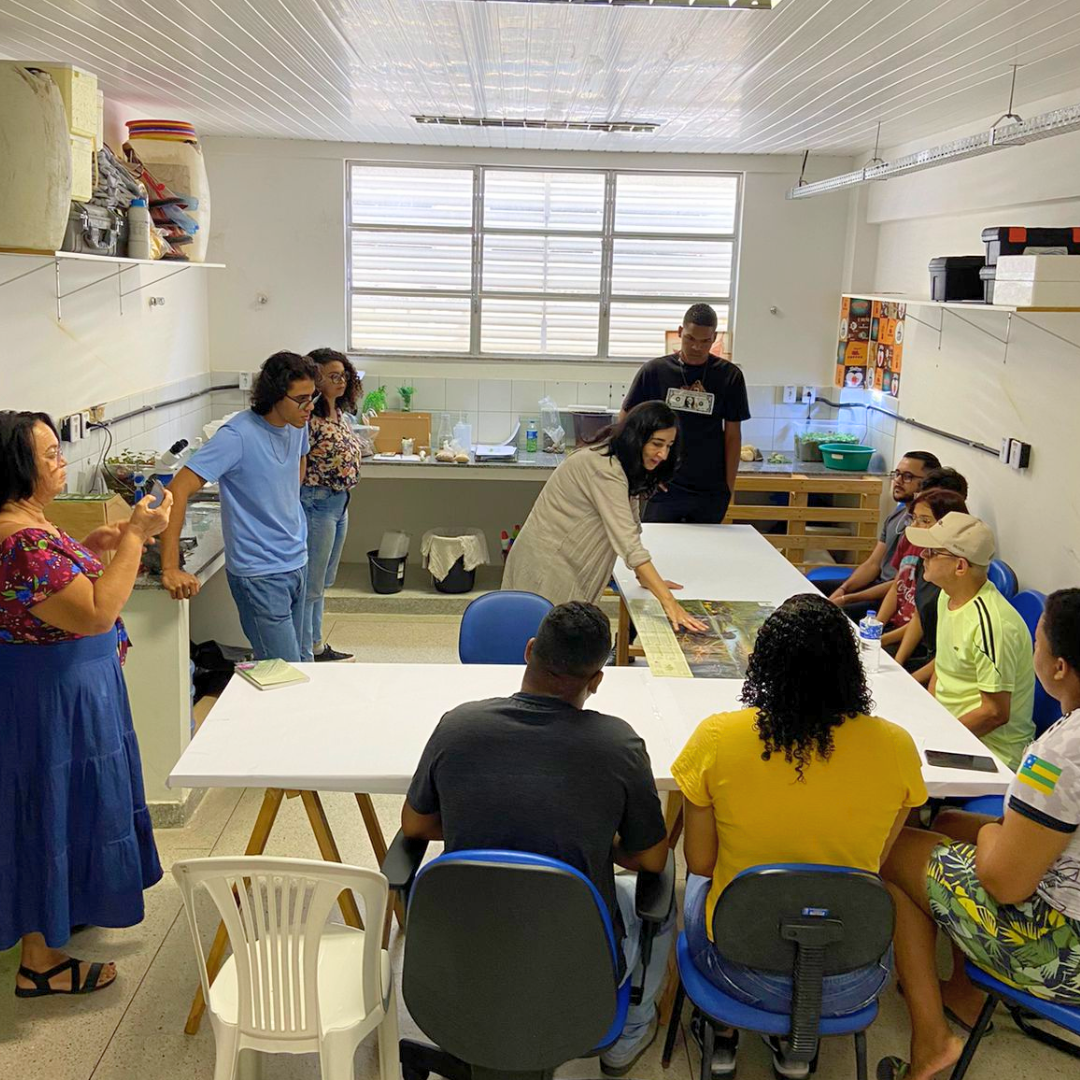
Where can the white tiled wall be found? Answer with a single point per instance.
(152, 431)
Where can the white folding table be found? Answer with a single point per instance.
(361, 728)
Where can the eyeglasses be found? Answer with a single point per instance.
(304, 400)
(336, 377)
(933, 553)
(907, 477)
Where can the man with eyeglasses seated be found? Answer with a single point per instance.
(983, 672)
(868, 583)
(259, 457)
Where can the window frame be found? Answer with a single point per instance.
(476, 295)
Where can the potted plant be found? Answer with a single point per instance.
(374, 403)
(808, 445)
(406, 395)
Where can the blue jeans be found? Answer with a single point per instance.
(841, 994)
(271, 612)
(328, 521)
(638, 1017)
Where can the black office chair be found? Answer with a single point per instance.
(802, 920)
(511, 963)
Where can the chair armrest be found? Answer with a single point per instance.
(403, 859)
(656, 892)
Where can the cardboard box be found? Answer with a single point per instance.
(395, 426)
(80, 515)
(1038, 281)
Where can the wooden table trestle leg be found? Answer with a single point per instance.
(260, 834)
(378, 844)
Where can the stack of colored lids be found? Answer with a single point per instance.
(171, 130)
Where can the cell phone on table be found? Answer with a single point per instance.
(946, 759)
(157, 494)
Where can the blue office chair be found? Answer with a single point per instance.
(1004, 577)
(806, 921)
(829, 578)
(1024, 1008)
(497, 626)
(1031, 604)
(511, 963)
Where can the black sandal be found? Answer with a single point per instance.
(42, 987)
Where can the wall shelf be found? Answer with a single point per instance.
(57, 258)
(954, 305)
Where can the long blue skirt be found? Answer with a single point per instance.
(76, 844)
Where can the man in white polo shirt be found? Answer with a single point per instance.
(983, 669)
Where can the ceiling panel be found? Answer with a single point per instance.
(816, 74)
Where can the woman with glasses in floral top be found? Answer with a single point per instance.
(333, 470)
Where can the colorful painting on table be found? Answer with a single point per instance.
(871, 348)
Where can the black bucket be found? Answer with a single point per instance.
(387, 575)
(458, 580)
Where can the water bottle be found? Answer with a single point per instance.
(531, 437)
(870, 631)
(139, 226)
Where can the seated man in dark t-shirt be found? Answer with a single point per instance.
(539, 772)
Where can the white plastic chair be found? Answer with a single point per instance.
(294, 984)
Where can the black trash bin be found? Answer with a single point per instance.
(458, 580)
(387, 575)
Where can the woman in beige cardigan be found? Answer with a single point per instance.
(587, 516)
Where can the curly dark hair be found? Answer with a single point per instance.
(351, 393)
(941, 501)
(626, 440)
(805, 678)
(274, 378)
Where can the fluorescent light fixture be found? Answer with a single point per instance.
(723, 5)
(1015, 133)
(540, 125)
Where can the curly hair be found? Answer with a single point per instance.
(805, 678)
(275, 377)
(941, 501)
(351, 394)
(626, 440)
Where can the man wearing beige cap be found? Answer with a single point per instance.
(983, 670)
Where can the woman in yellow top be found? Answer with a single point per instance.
(588, 515)
(803, 774)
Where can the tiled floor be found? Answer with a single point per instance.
(134, 1030)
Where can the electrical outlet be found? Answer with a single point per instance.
(97, 414)
(65, 429)
(1019, 454)
(86, 421)
(1003, 452)
(789, 395)
(809, 395)
(245, 380)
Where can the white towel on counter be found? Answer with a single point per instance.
(443, 546)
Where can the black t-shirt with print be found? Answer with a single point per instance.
(532, 773)
(701, 417)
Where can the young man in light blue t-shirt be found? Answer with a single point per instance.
(258, 458)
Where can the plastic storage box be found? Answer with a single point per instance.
(589, 421)
(1020, 240)
(956, 278)
(1038, 281)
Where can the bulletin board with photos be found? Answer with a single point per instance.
(871, 349)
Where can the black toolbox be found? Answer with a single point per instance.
(1020, 240)
(956, 277)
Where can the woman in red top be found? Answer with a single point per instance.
(76, 846)
(899, 608)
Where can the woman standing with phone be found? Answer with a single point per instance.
(333, 470)
(76, 844)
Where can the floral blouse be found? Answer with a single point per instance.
(34, 565)
(334, 458)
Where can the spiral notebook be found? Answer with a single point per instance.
(270, 674)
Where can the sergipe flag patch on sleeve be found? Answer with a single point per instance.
(1039, 774)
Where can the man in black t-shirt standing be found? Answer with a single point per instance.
(539, 772)
(709, 395)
